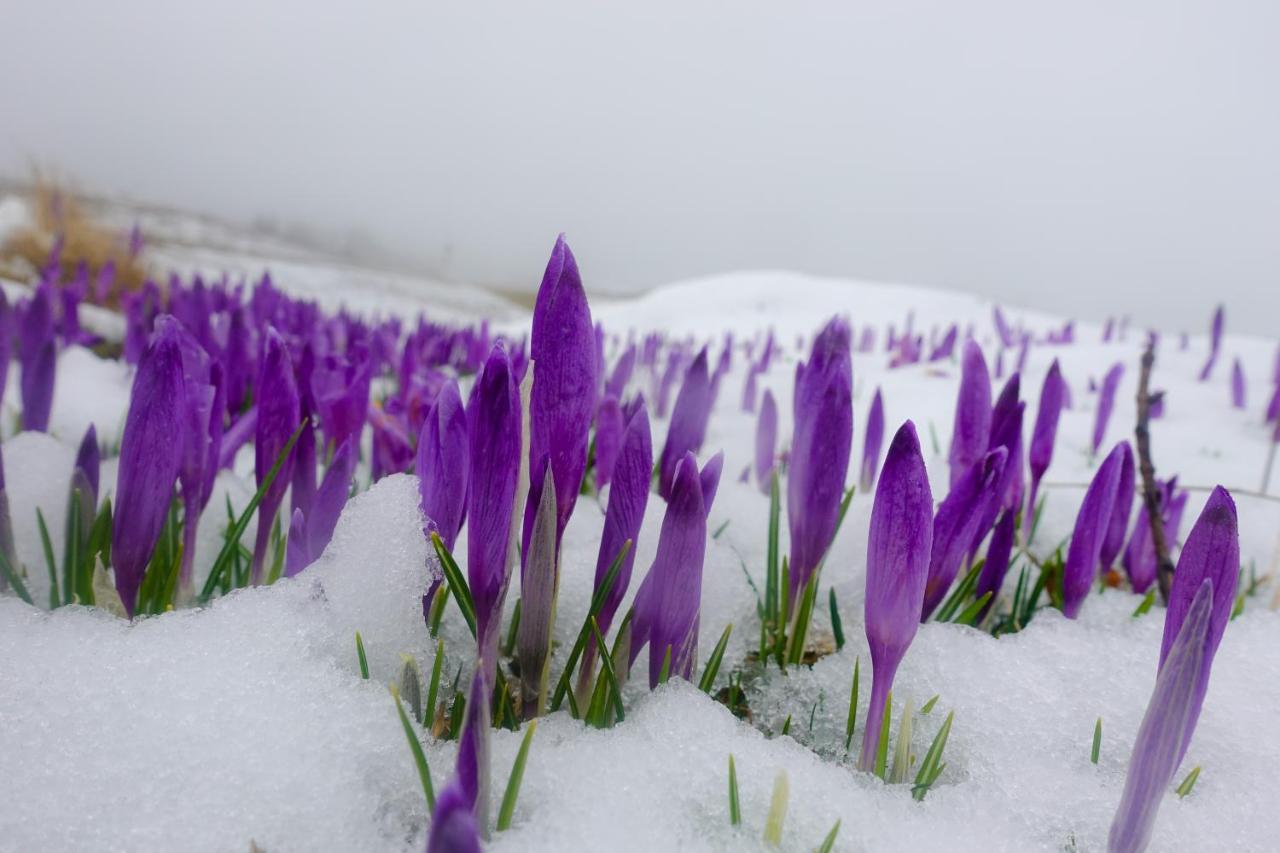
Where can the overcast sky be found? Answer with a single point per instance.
(1088, 157)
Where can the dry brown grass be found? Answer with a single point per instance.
(58, 212)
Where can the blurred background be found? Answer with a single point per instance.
(1090, 158)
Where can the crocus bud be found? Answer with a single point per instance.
(1237, 384)
(874, 436)
(493, 432)
(766, 441)
(538, 601)
(1106, 402)
(898, 547)
(1215, 343)
(1092, 524)
(1166, 727)
(453, 826)
(562, 400)
(996, 564)
(442, 464)
(956, 523)
(472, 769)
(628, 498)
(688, 425)
(972, 426)
(820, 448)
(150, 454)
(1120, 510)
(278, 417)
(309, 535)
(1045, 431)
(1140, 553)
(616, 387)
(609, 427)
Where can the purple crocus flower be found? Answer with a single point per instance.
(955, 525)
(85, 474)
(871, 443)
(688, 425)
(947, 346)
(309, 535)
(1237, 384)
(749, 390)
(1106, 401)
(1092, 525)
(453, 826)
(898, 547)
(972, 426)
(1215, 343)
(38, 354)
(609, 427)
(1140, 553)
(472, 769)
(442, 464)
(150, 455)
(341, 391)
(537, 601)
(562, 399)
(820, 448)
(996, 564)
(766, 441)
(1121, 508)
(493, 432)
(278, 417)
(6, 341)
(617, 385)
(669, 600)
(627, 500)
(1167, 726)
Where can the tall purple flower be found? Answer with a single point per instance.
(1121, 508)
(1215, 343)
(627, 501)
(996, 564)
(1212, 552)
(956, 525)
(820, 448)
(442, 464)
(1092, 525)
(493, 432)
(617, 385)
(1140, 553)
(972, 427)
(150, 454)
(766, 441)
(453, 825)
(1106, 402)
(1043, 435)
(609, 427)
(871, 443)
(38, 355)
(898, 546)
(309, 534)
(688, 427)
(1167, 726)
(278, 417)
(562, 399)
(1237, 384)
(472, 769)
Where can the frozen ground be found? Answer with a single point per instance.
(247, 722)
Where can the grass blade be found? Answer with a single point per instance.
(1097, 741)
(11, 575)
(882, 748)
(1189, 782)
(837, 627)
(853, 708)
(735, 807)
(49, 561)
(457, 583)
(830, 841)
(606, 671)
(713, 663)
(931, 767)
(513, 781)
(364, 662)
(777, 810)
(597, 602)
(419, 757)
(433, 689)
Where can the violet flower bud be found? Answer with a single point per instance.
(1237, 384)
(1092, 524)
(310, 534)
(453, 826)
(278, 417)
(1212, 552)
(955, 525)
(688, 427)
(871, 443)
(1140, 553)
(442, 464)
(472, 769)
(996, 564)
(1106, 401)
(538, 601)
(1120, 510)
(628, 498)
(617, 385)
(766, 441)
(820, 448)
(898, 548)
(972, 426)
(609, 427)
(1215, 343)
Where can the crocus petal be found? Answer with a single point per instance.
(609, 427)
(331, 497)
(616, 387)
(87, 460)
(1166, 727)
(297, 555)
(1045, 431)
(709, 478)
(1237, 384)
(1092, 524)
(898, 548)
(442, 464)
(562, 400)
(627, 500)
(473, 751)
(820, 448)
(766, 441)
(996, 564)
(688, 425)
(1212, 551)
(1215, 343)
(278, 417)
(36, 385)
(972, 426)
(956, 523)
(1106, 401)
(453, 826)
(1120, 509)
(872, 441)
(150, 454)
(538, 601)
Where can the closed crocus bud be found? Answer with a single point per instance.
(1106, 402)
(453, 825)
(609, 427)
(1120, 510)
(898, 547)
(472, 770)
(972, 426)
(150, 455)
(955, 525)
(1215, 343)
(874, 436)
(996, 564)
(616, 387)
(946, 346)
(688, 425)
(85, 474)
(766, 441)
(278, 417)
(538, 602)
(562, 399)
(493, 433)
(442, 464)
(309, 535)
(627, 501)
(6, 341)
(1045, 431)
(669, 600)
(820, 448)
(1092, 524)
(1167, 726)
(1238, 398)
(341, 390)
(36, 384)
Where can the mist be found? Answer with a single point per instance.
(1089, 158)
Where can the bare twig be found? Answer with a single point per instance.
(1150, 491)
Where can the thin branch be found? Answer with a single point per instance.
(1150, 491)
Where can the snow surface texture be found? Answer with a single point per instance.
(248, 720)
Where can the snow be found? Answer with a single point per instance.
(248, 720)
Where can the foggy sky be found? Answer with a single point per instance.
(1085, 157)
